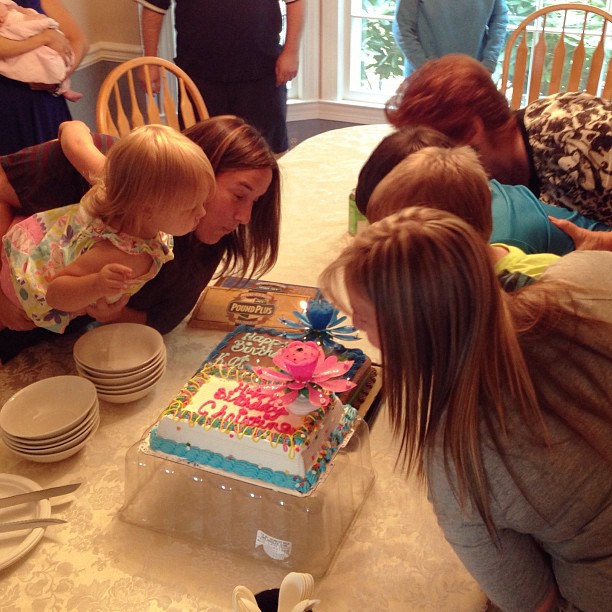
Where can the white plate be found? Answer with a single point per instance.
(48, 407)
(16, 544)
(118, 347)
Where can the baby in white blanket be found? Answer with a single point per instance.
(43, 67)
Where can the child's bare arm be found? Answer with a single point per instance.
(78, 147)
(74, 292)
(104, 271)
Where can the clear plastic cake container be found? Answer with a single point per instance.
(298, 533)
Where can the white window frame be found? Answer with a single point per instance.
(323, 81)
(323, 77)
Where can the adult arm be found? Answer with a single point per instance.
(70, 28)
(151, 21)
(585, 239)
(117, 312)
(49, 37)
(496, 35)
(405, 32)
(288, 61)
(79, 148)
(516, 577)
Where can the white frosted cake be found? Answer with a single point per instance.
(228, 420)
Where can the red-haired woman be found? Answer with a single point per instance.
(559, 146)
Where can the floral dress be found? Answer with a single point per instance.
(37, 248)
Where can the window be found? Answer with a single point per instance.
(361, 64)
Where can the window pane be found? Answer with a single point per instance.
(376, 64)
(373, 61)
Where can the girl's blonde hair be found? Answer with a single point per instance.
(449, 340)
(451, 179)
(151, 168)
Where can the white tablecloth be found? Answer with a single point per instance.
(394, 557)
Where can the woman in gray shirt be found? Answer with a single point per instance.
(501, 402)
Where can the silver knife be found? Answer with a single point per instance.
(29, 524)
(24, 498)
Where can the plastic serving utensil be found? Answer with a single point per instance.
(24, 498)
(294, 588)
(29, 524)
(246, 605)
(242, 593)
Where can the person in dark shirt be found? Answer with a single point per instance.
(232, 50)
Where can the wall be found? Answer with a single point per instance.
(107, 20)
(113, 31)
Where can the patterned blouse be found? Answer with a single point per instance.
(45, 243)
(569, 141)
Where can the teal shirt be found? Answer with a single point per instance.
(520, 219)
(426, 29)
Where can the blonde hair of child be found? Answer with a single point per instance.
(452, 179)
(152, 168)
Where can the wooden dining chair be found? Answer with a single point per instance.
(123, 104)
(558, 48)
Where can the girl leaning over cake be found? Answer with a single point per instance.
(500, 402)
(238, 236)
(56, 263)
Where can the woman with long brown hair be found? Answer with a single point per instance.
(501, 403)
(238, 235)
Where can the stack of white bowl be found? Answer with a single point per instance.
(50, 420)
(123, 360)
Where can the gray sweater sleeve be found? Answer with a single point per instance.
(516, 576)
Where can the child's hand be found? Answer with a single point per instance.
(104, 312)
(113, 279)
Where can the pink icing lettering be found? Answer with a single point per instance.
(207, 403)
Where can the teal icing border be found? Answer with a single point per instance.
(199, 456)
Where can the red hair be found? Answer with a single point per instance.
(448, 94)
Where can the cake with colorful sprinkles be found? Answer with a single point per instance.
(279, 425)
(249, 347)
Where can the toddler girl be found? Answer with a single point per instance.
(54, 264)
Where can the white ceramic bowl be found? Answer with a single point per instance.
(125, 398)
(118, 347)
(121, 378)
(48, 408)
(142, 383)
(62, 446)
(68, 438)
(58, 456)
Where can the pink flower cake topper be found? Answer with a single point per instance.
(304, 368)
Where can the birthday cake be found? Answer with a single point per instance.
(279, 425)
(248, 347)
